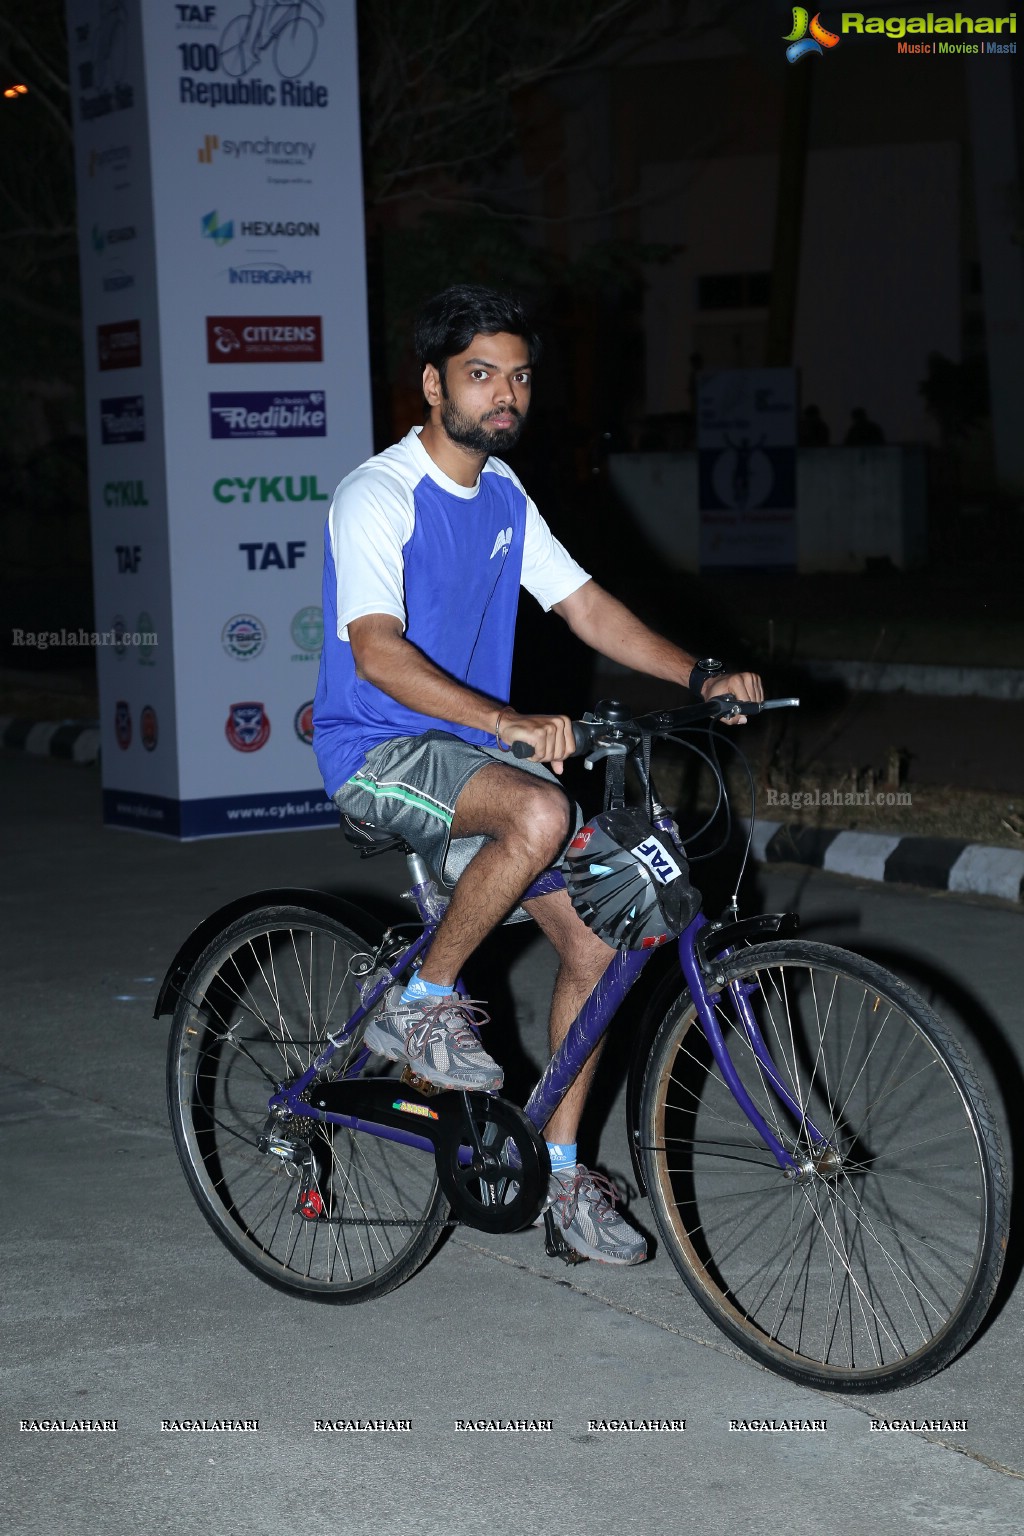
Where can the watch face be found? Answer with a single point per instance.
(711, 665)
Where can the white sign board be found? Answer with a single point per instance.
(227, 382)
(746, 442)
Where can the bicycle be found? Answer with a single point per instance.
(281, 23)
(823, 1167)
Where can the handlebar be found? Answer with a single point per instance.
(610, 723)
(581, 731)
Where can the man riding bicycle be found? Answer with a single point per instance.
(426, 547)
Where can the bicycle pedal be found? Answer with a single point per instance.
(413, 1080)
(555, 1245)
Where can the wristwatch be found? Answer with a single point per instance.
(709, 667)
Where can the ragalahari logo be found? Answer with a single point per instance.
(800, 43)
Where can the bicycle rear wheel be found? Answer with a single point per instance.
(875, 1267)
(255, 1011)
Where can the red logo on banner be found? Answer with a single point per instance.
(148, 730)
(304, 723)
(120, 345)
(247, 727)
(582, 837)
(123, 724)
(264, 339)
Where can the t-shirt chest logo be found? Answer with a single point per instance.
(502, 541)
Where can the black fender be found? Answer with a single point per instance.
(712, 939)
(321, 902)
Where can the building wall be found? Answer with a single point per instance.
(886, 233)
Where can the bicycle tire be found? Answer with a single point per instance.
(867, 1273)
(255, 1010)
(232, 47)
(294, 47)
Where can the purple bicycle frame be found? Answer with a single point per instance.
(583, 1035)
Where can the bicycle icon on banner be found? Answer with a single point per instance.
(289, 29)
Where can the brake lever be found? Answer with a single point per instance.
(731, 706)
(606, 749)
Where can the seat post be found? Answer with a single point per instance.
(419, 872)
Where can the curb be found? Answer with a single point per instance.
(77, 741)
(934, 863)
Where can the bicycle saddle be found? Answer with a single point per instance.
(371, 840)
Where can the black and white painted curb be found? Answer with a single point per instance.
(76, 740)
(936, 863)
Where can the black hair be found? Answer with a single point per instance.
(448, 322)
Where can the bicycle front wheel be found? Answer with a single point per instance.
(349, 1215)
(875, 1265)
(233, 59)
(295, 48)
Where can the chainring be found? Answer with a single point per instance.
(503, 1184)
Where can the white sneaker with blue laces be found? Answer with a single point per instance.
(432, 1035)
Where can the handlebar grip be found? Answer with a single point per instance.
(582, 734)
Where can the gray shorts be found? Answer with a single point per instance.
(410, 784)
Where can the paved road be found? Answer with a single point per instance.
(119, 1303)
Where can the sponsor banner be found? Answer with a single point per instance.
(265, 414)
(123, 420)
(199, 130)
(264, 339)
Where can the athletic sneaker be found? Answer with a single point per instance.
(432, 1035)
(583, 1206)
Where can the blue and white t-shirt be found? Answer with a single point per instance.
(448, 561)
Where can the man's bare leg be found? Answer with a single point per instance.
(584, 959)
(528, 821)
(581, 1204)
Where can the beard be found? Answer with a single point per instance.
(477, 436)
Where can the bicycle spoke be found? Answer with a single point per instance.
(863, 1266)
(350, 1213)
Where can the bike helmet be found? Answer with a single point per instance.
(629, 882)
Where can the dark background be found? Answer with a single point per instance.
(554, 150)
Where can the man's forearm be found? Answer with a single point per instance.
(399, 669)
(607, 626)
